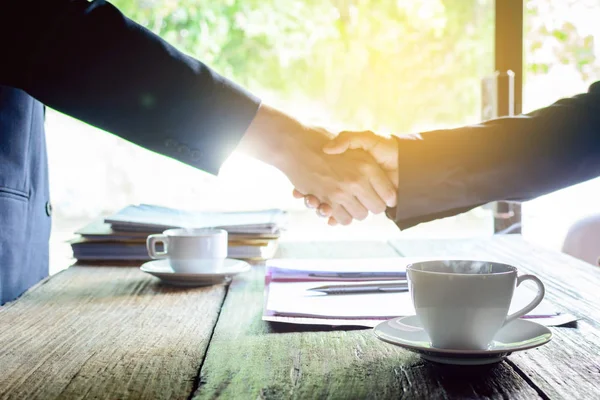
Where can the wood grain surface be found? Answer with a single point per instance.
(249, 358)
(569, 366)
(105, 333)
(115, 333)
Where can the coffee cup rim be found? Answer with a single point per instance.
(512, 268)
(194, 232)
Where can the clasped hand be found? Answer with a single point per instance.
(369, 163)
(343, 177)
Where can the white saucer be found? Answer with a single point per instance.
(407, 332)
(162, 270)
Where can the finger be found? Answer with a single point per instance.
(378, 192)
(307, 203)
(355, 208)
(394, 178)
(297, 194)
(341, 215)
(312, 201)
(350, 140)
(367, 196)
(384, 188)
(325, 210)
(332, 221)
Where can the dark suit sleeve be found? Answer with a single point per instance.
(89, 61)
(447, 172)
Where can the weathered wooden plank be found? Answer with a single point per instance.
(568, 366)
(101, 332)
(248, 358)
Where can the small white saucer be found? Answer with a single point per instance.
(162, 270)
(407, 332)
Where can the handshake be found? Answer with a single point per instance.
(343, 177)
(371, 185)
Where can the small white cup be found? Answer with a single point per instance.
(190, 250)
(462, 304)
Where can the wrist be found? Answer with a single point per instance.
(278, 139)
(269, 135)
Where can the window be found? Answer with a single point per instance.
(562, 45)
(393, 66)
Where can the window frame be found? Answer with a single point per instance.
(508, 56)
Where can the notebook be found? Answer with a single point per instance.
(135, 250)
(145, 217)
(252, 235)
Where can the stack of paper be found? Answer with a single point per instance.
(253, 235)
(288, 297)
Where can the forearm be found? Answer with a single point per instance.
(89, 61)
(451, 171)
(268, 138)
(277, 138)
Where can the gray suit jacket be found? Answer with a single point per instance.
(89, 61)
(447, 172)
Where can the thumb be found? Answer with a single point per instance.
(297, 194)
(349, 140)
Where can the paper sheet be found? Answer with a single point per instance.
(287, 298)
(337, 269)
(293, 299)
(152, 217)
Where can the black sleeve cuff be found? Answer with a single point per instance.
(432, 182)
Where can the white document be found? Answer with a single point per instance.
(338, 269)
(146, 216)
(293, 299)
(288, 300)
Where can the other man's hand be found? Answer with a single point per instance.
(383, 149)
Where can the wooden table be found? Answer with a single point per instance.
(114, 333)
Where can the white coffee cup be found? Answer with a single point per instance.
(190, 250)
(462, 304)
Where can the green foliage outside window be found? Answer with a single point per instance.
(376, 64)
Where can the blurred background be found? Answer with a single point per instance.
(391, 66)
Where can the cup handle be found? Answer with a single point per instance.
(151, 242)
(533, 304)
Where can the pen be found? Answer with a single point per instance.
(380, 275)
(371, 287)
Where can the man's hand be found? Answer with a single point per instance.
(352, 183)
(383, 150)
